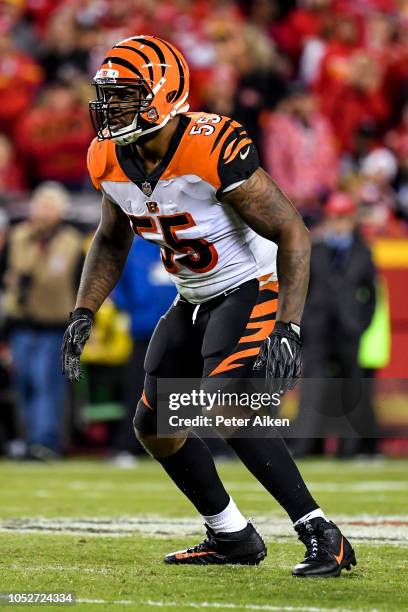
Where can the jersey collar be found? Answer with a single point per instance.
(132, 164)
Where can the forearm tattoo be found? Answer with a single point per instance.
(102, 269)
(106, 258)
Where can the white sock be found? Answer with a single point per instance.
(310, 515)
(227, 521)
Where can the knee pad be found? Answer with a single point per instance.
(145, 419)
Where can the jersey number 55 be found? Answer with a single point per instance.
(200, 256)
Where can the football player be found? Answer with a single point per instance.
(192, 184)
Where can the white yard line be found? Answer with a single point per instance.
(364, 528)
(233, 606)
(367, 485)
(119, 602)
(213, 605)
(60, 568)
(248, 491)
(342, 487)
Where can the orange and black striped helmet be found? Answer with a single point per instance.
(142, 83)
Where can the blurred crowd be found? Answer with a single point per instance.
(320, 85)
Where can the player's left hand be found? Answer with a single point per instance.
(280, 354)
(77, 333)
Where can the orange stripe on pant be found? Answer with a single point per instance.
(271, 286)
(260, 310)
(146, 401)
(228, 363)
(264, 329)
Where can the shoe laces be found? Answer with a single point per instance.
(207, 544)
(312, 539)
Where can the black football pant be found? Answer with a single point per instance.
(220, 339)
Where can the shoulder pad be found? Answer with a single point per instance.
(102, 162)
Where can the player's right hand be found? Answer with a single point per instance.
(77, 333)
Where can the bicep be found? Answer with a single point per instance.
(262, 205)
(114, 224)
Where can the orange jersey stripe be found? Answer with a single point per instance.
(229, 148)
(242, 144)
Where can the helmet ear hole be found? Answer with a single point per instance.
(171, 95)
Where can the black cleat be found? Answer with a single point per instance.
(244, 547)
(328, 551)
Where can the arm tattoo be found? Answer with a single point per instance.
(106, 257)
(266, 209)
(293, 275)
(261, 203)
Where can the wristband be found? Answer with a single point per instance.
(294, 327)
(78, 312)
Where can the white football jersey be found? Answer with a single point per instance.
(205, 246)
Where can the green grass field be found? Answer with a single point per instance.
(101, 532)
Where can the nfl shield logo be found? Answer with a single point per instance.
(147, 188)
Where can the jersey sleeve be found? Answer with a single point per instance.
(238, 159)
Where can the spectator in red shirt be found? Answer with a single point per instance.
(359, 100)
(384, 42)
(301, 24)
(364, 7)
(300, 152)
(54, 137)
(20, 77)
(335, 62)
(378, 35)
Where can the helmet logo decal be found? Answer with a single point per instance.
(147, 188)
(107, 73)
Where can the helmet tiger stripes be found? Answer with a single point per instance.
(142, 83)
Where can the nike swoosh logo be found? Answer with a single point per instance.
(245, 155)
(286, 341)
(339, 557)
(194, 554)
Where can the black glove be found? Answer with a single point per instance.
(77, 333)
(280, 354)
